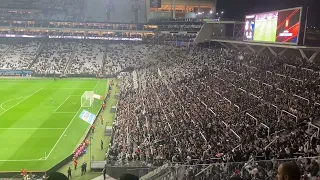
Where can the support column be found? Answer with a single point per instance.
(260, 50)
(272, 51)
(303, 55)
(252, 50)
(314, 55)
(283, 51)
(174, 9)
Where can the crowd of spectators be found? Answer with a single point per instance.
(69, 57)
(88, 58)
(128, 55)
(54, 57)
(18, 55)
(202, 105)
(218, 109)
(174, 37)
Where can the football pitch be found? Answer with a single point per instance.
(37, 133)
(265, 30)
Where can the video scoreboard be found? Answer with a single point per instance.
(283, 26)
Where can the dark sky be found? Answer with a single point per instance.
(237, 9)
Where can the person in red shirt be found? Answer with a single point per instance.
(75, 163)
(92, 128)
(23, 172)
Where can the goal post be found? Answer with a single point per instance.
(87, 99)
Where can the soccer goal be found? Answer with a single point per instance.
(87, 99)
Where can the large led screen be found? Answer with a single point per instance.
(276, 27)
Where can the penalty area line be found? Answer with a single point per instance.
(61, 104)
(74, 117)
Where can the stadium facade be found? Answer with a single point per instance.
(181, 8)
(115, 11)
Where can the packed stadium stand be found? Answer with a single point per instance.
(88, 58)
(19, 55)
(194, 105)
(124, 55)
(54, 57)
(202, 106)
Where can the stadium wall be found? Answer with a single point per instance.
(204, 34)
(180, 8)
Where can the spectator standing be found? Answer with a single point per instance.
(104, 172)
(69, 173)
(101, 119)
(101, 145)
(82, 169)
(92, 128)
(288, 171)
(104, 105)
(75, 163)
(23, 172)
(45, 176)
(85, 167)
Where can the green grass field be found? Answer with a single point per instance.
(36, 134)
(265, 30)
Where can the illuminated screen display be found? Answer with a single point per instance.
(277, 26)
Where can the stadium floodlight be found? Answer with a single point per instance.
(87, 99)
(210, 12)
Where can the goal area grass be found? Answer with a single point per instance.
(39, 120)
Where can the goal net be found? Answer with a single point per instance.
(87, 99)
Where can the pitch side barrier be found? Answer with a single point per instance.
(17, 73)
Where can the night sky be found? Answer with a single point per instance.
(237, 9)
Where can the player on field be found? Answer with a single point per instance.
(51, 100)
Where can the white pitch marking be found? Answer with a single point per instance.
(61, 104)
(21, 101)
(31, 128)
(20, 160)
(1, 106)
(67, 88)
(63, 133)
(96, 85)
